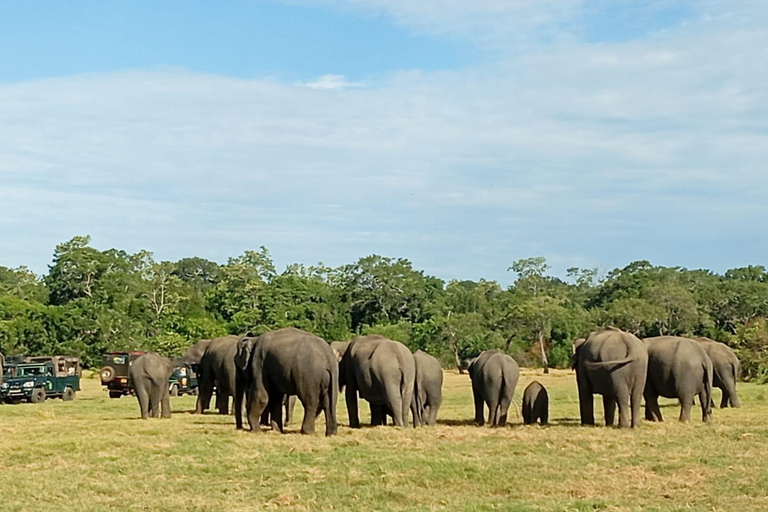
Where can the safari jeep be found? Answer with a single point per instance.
(114, 373)
(38, 378)
(183, 380)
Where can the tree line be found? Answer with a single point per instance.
(93, 301)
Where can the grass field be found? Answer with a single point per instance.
(94, 454)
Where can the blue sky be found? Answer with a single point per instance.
(460, 134)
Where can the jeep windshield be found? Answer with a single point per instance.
(30, 371)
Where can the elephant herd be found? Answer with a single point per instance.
(266, 374)
(625, 370)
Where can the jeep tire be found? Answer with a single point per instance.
(69, 394)
(174, 390)
(38, 395)
(115, 394)
(107, 374)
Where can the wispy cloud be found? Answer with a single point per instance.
(330, 82)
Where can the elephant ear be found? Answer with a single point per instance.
(244, 352)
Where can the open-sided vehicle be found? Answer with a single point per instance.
(114, 372)
(183, 380)
(37, 378)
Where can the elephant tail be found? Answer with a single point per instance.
(612, 365)
(634, 352)
(708, 387)
(417, 407)
(330, 398)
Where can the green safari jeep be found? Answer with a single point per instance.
(183, 380)
(38, 378)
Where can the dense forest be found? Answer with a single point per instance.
(93, 301)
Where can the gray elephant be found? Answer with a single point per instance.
(194, 354)
(383, 372)
(726, 367)
(217, 368)
(428, 388)
(494, 376)
(535, 404)
(677, 368)
(149, 376)
(286, 362)
(339, 347)
(612, 363)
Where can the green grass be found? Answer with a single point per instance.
(94, 454)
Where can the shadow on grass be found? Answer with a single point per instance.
(457, 423)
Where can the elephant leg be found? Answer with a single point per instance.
(636, 399)
(504, 404)
(396, 408)
(350, 393)
(493, 412)
(706, 407)
(239, 392)
(311, 407)
(479, 406)
(609, 408)
(653, 411)
(222, 402)
(155, 400)
(290, 403)
(204, 394)
(586, 402)
(264, 420)
(543, 415)
(378, 417)
(275, 405)
(730, 391)
(165, 402)
(724, 401)
(622, 401)
(394, 403)
(143, 397)
(258, 401)
(686, 403)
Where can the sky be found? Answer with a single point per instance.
(460, 134)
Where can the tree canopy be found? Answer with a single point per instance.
(92, 300)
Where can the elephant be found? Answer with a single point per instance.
(677, 368)
(217, 367)
(612, 363)
(149, 376)
(194, 354)
(288, 361)
(494, 376)
(535, 404)
(428, 388)
(726, 367)
(339, 347)
(383, 372)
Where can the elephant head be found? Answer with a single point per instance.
(576, 347)
(244, 351)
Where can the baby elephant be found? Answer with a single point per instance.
(149, 376)
(535, 404)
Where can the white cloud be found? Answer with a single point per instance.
(646, 149)
(330, 82)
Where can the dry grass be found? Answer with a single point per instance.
(95, 454)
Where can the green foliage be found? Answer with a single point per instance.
(91, 301)
(751, 347)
